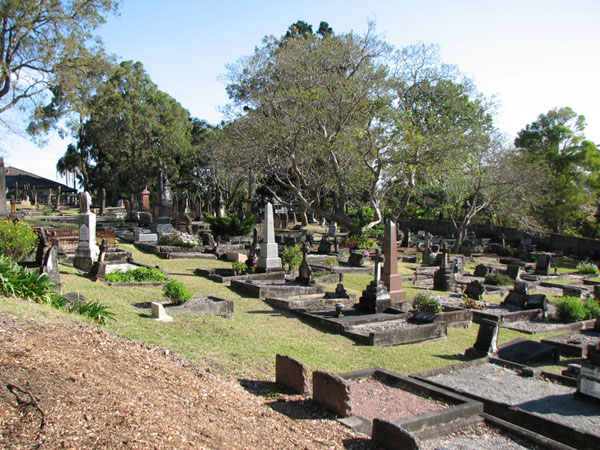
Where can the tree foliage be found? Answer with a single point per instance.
(43, 44)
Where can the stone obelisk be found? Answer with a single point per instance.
(269, 260)
(391, 278)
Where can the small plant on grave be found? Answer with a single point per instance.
(498, 279)
(177, 292)
(592, 308)
(141, 274)
(178, 239)
(331, 261)
(471, 303)
(427, 303)
(240, 268)
(321, 273)
(570, 309)
(292, 257)
(95, 311)
(17, 239)
(587, 268)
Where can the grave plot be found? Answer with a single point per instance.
(225, 275)
(171, 252)
(196, 305)
(276, 288)
(376, 394)
(574, 344)
(538, 403)
(135, 274)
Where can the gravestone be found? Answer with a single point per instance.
(391, 278)
(475, 290)
(269, 260)
(292, 373)
(537, 301)
(543, 263)
(572, 291)
(324, 246)
(340, 292)
(427, 252)
(304, 271)
(513, 271)
(208, 239)
(375, 298)
(102, 201)
(517, 297)
(486, 342)
(145, 200)
(588, 383)
(356, 259)
(87, 250)
(254, 251)
(332, 229)
(144, 219)
(3, 208)
(159, 313)
(444, 278)
(162, 223)
(50, 265)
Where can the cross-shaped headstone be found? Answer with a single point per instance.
(378, 260)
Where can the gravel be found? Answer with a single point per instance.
(554, 401)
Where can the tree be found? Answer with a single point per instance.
(42, 42)
(133, 129)
(308, 104)
(568, 165)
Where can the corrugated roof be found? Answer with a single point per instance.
(14, 175)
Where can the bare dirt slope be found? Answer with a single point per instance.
(79, 387)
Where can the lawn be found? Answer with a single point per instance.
(246, 346)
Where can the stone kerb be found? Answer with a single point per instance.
(332, 392)
(292, 373)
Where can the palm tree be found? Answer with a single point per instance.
(74, 162)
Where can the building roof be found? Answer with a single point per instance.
(14, 175)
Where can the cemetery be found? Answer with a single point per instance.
(354, 256)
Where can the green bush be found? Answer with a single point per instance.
(95, 311)
(177, 292)
(230, 225)
(358, 241)
(292, 256)
(570, 309)
(16, 239)
(16, 281)
(498, 279)
(427, 303)
(136, 275)
(587, 268)
(592, 308)
(331, 261)
(240, 268)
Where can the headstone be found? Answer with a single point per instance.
(3, 208)
(475, 290)
(159, 313)
(144, 219)
(332, 392)
(486, 342)
(572, 291)
(50, 266)
(588, 383)
(140, 236)
(356, 259)
(513, 271)
(332, 229)
(391, 278)
(269, 260)
(543, 263)
(87, 250)
(208, 239)
(254, 251)
(57, 199)
(324, 246)
(292, 373)
(375, 298)
(304, 271)
(127, 206)
(537, 301)
(162, 223)
(340, 292)
(407, 238)
(102, 201)
(42, 247)
(427, 252)
(444, 278)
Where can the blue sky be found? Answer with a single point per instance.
(533, 55)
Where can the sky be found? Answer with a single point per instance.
(530, 55)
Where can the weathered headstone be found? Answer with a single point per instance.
(292, 373)
(543, 263)
(588, 383)
(356, 259)
(269, 260)
(391, 278)
(50, 266)
(87, 250)
(304, 271)
(3, 208)
(513, 271)
(375, 298)
(537, 301)
(254, 251)
(102, 201)
(145, 200)
(572, 291)
(324, 246)
(475, 290)
(332, 392)
(332, 229)
(159, 313)
(340, 292)
(487, 340)
(162, 223)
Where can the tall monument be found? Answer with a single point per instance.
(269, 260)
(391, 278)
(87, 250)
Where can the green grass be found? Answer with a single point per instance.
(246, 346)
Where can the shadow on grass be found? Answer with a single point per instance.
(457, 358)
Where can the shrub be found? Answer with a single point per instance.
(331, 261)
(570, 309)
(177, 292)
(137, 275)
(427, 303)
(95, 311)
(592, 308)
(358, 241)
(178, 239)
(498, 279)
(16, 239)
(240, 268)
(587, 268)
(16, 281)
(230, 225)
(292, 256)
